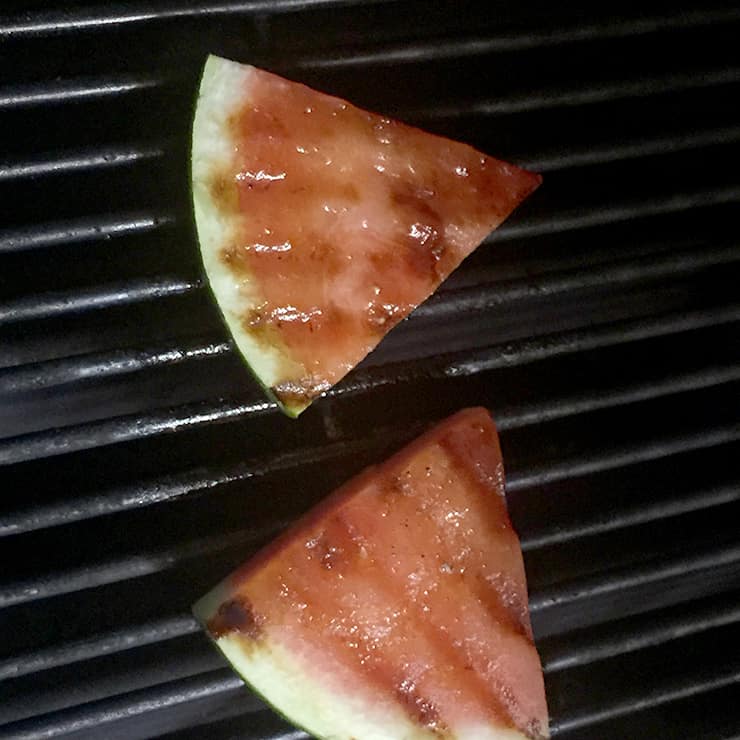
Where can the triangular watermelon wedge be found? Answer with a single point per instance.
(397, 609)
(322, 225)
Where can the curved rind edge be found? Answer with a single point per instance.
(272, 673)
(223, 87)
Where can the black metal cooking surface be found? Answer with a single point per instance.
(139, 464)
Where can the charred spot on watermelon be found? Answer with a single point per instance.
(421, 710)
(294, 393)
(336, 222)
(401, 483)
(337, 547)
(398, 607)
(222, 189)
(236, 615)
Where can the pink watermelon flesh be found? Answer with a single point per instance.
(340, 221)
(398, 607)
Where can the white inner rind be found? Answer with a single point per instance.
(223, 90)
(311, 701)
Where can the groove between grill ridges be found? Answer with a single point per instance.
(457, 48)
(282, 733)
(482, 297)
(539, 413)
(648, 147)
(644, 574)
(147, 564)
(96, 646)
(580, 340)
(576, 96)
(601, 216)
(635, 515)
(78, 437)
(624, 456)
(186, 483)
(649, 699)
(645, 630)
(132, 704)
(169, 488)
(128, 568)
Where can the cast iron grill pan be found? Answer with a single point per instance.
(600, 324)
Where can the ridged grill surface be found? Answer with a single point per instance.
(139, 463)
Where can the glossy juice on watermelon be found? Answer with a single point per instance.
(397, 609)
(322, 225)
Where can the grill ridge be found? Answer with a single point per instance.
(67, 91)
(81, 230)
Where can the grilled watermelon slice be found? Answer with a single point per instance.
(322, 225)
(397, 609)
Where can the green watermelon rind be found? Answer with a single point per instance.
(222, 87)
(202, 611)
(302, 713)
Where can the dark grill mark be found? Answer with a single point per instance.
(421, 710)
(330, 556)
(299, 391)
(505, 605)
(235, 259)
(339, 546)
(255, 318)
(381, 317)
(236, 615)
(496, 593)
(224, 192)
(258, 122)
(425, 248)
(351, 193)
(535, 731)
(256, 322)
